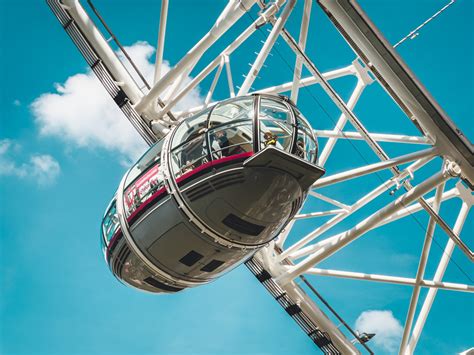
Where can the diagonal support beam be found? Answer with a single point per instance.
(214, 64)
(421, 269)
(341, 122)
(161, 40)
(379, 137)
(333, 244)
(444, 226)
(392, 279)
(443, 264)
(317, 214)
(409, 210)
(233, 11)
(333, 95)
(302, 44)
(332, 201)
(416, 207)
(214, 82)
(308, 81)
(229, 75)
(295, 248)
(369, 169)
(266, 48)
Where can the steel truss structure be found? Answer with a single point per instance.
(286, 261)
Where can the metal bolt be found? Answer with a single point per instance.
(452, 169)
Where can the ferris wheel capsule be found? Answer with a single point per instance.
(205, 198)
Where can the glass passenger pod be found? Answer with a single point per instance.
(222, 134)
(235, 129)
(214, 140)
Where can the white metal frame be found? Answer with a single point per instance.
(286, 261)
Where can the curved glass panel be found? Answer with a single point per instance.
(276, 127)
(231, 139)
(189, 155)
(110, 224)
(306, 145)
(229, 133)
(143, 179)
(190, 128)
(149, 158)
(232, 110)
(274, 110)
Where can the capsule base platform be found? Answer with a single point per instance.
(304, 172)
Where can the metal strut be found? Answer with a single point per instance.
(321, 339)
(122, 49)
(111, 83)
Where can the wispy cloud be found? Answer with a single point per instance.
(387, 328)
(44, 169)
(41, 168)
(81, 113)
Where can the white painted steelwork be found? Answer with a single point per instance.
(160, 47)
(233, 11)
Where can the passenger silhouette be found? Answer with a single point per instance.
(270, 139)
(223, 142)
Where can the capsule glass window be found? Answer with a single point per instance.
(144, 179)
(110, 224)
(231, 139)
(232, 110)
(190, 128)
(306, 145)
(189, 155)
(276, 127)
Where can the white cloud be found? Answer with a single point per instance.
(8, 166)
(17, 102)
(82, 114)
(5, 145)
(387, 328)
(41, 168)
(141, 52)
(44, 168)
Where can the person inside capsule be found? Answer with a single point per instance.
(221, 185)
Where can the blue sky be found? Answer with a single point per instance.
(58, 173)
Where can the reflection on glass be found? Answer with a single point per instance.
(134, 270)
(275, 125)
(306, 146)
(236, 109)
(143, 188)
(274, 110)
(190, 128)
(151, 157)
(110, 223)
(189, 155)
(231, 139)
(228, 132)
(144, 179)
